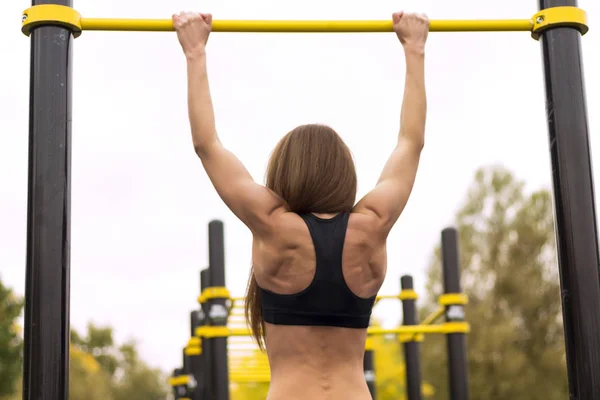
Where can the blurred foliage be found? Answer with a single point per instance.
(99, 369)
(11, 342)
(509, 271)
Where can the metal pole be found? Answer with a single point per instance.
(195, 360)
(218, 309)
(187, 370)
(411, 349)
(46, 353)
(178, 390)
(478, 25)
(369, 367)
(575, 213)
(457, 348)
(205, 383)
(194, 322)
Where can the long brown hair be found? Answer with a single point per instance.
(312, 169)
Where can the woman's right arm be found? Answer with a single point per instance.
(388, 199)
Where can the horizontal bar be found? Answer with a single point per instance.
(446, 328)
(433, 316)
(317, 26)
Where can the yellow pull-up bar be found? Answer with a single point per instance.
(52, 14)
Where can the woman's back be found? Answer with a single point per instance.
(307, 360)
(315, 331)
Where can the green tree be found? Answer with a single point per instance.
(11, 343)
(509, 271)
(98, 342)
(138, 380)
(87, 379)
(127, 375)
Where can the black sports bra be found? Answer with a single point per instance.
(327, 301)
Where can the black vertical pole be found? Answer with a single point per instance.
(369, 368)
(205, 382)
(186, 370)
(457, 347)
(411, 349)
(218, 312)
(575, 213)
(46, 354)
(178, 390)
(194, 321)
(186, 363)
(195, 360)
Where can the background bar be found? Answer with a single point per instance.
(203, 372)
(575, 213)
(411, 349)
(218, 312)
(104, 24)
(46, 354)
(456, 342)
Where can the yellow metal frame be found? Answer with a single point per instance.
(408, 294)
(242, 378)
(193, 351)
(181, 380)
(451, 299)
(559, 16)
(411, 337)
(51, 14)
(194, 347)
(215, 292)
(433, 316)
(448, 327)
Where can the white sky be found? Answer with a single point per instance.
(140, 199)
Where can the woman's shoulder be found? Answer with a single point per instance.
(364, 222)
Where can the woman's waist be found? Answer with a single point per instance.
(318, 367)
(308, 383)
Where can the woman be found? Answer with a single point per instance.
(318, 258)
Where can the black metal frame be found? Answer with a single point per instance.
(46, 355)
(456, 342)
(411, 348)
(575, 213)
(202, 372)
(217, 310)
(49, 201)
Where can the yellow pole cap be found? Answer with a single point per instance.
(559, 17)
(51, 14)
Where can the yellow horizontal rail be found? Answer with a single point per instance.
(104, 24)
(446, 328)
(53, 14)
(250, 379)
(433, 316)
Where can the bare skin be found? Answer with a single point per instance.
(311, 362)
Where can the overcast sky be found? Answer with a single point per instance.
(141, 201)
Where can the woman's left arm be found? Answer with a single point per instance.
(252, 203)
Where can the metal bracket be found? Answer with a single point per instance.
(214, 292)
(555, 17)
(51, 14)
(408, 294)
(450, 299)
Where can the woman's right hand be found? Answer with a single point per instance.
(412, 29)
(193, 30)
